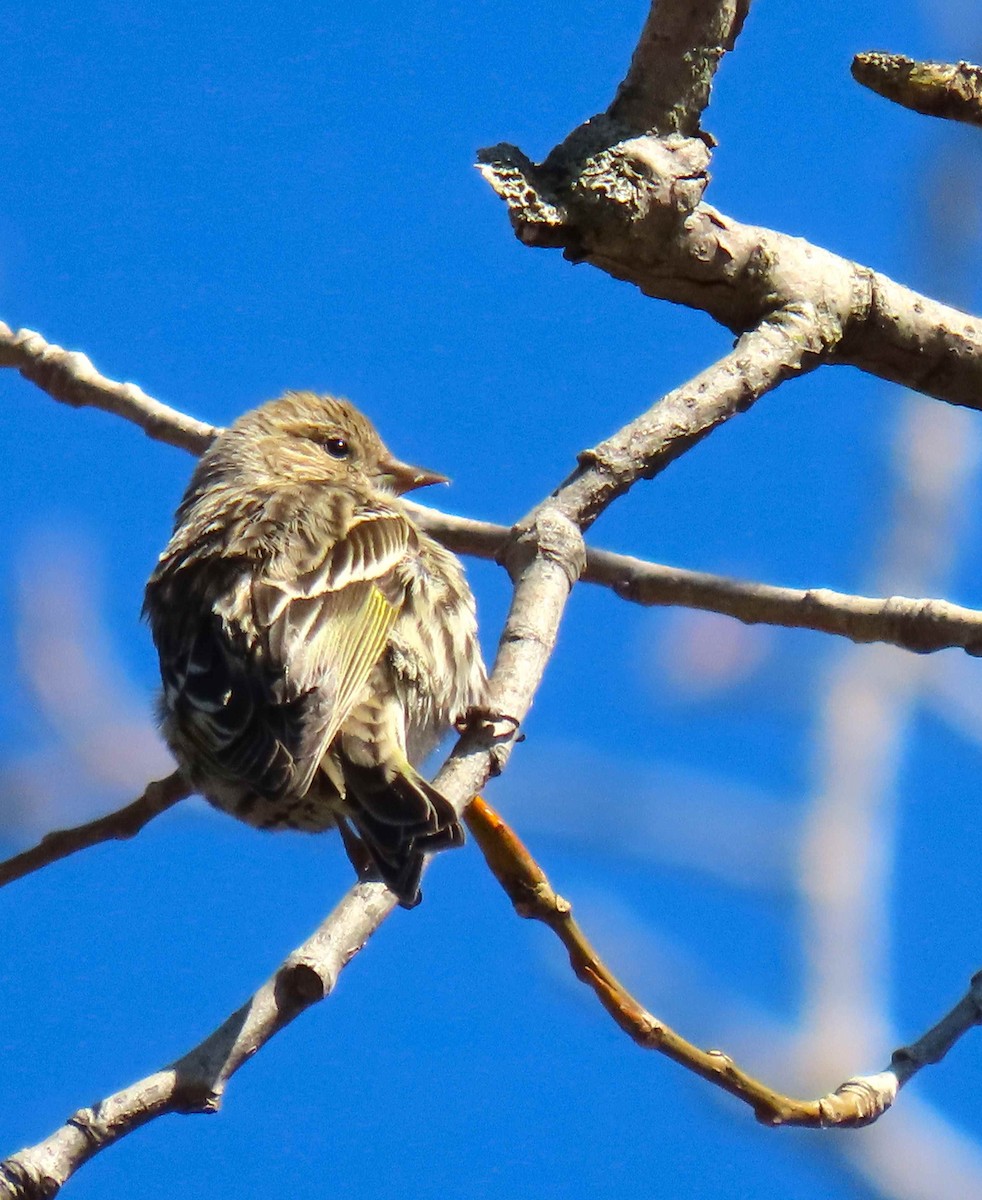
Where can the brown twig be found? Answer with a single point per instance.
(124, 823)
(858, 1101)
(936, 89)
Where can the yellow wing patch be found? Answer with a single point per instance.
(340, 652)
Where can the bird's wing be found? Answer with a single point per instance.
(323, 619)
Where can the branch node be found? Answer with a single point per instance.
(25, 1180)
(549, 535)
(859, 1101)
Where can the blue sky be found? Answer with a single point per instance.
(222, 201)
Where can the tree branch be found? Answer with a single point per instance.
(919, 625)
(949, 90)
(787, 342)
(633, 207)
(922, 626)
(858, 1101)
(544, 556)
(196, 1083)
(668, 84)
(70, 377)
(124, 823)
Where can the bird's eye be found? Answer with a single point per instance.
(337, 447)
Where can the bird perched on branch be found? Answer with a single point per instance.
(314, 643)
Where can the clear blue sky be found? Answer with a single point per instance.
(219, 201)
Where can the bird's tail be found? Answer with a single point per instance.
(400, 818)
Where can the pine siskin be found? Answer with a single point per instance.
(314, 643)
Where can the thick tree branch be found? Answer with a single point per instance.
(950, 90)
(633, 208)
(858, 1101)
(124, 823)
(668, 84)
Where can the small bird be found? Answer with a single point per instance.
(314, 642)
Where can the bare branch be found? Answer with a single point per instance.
(939, 1039)
(634, 210)
(667, 86)
(462, 535)
(544, 556)
(790, 341)
(124, 823)
(858, 1101)
(786, 343)
(70, 377)
(919, 625)
(936, 89)
(922, 626)
(196, 1083)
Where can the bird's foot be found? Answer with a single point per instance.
(357, 852)
(484, 719)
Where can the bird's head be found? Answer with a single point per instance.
(312, 437)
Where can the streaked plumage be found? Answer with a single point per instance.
(314, 643)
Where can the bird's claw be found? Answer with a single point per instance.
(499, 725)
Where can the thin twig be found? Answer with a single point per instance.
(115, 826)
(196, 1082)
(70, 377)
(919, 625)
(922, 626)
(858, 1101)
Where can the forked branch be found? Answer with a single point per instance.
(544, 556)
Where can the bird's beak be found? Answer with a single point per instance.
(402, 477)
